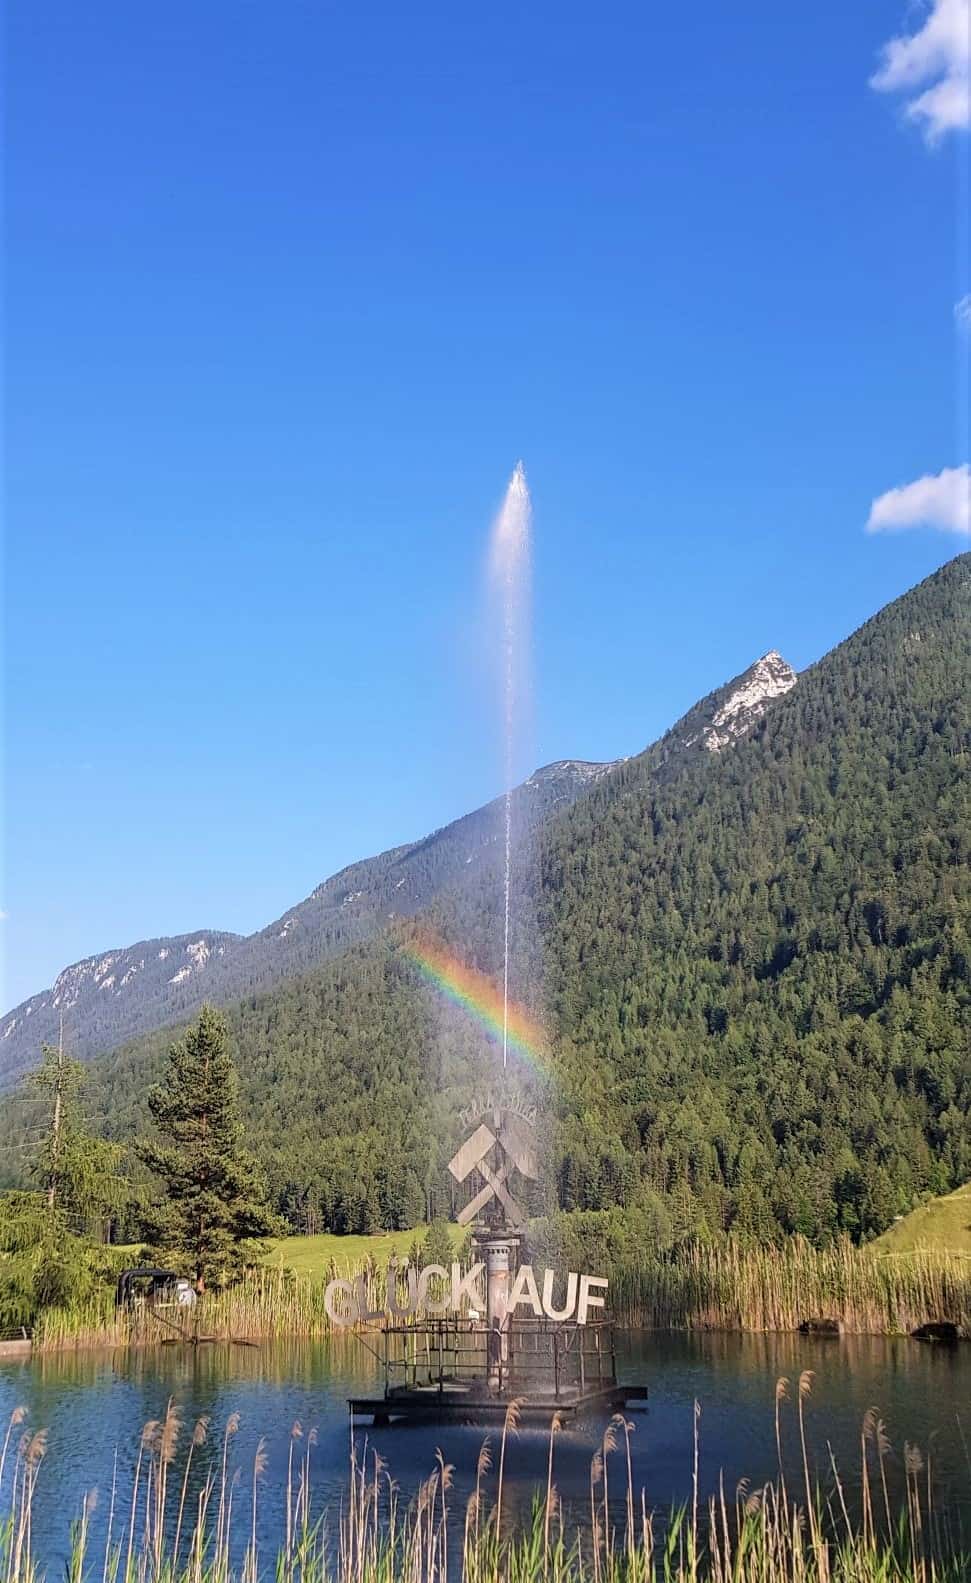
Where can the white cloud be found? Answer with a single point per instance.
(936, 59)
(938, 500)
(962, 312)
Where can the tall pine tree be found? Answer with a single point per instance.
(79, 1174)
(215, 1198)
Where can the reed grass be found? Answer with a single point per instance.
(705, 1286)
(266, 1305)
(170, 1528)
(727, 1285)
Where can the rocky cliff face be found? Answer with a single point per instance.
(725, 715)
(89, 995)
(749, 697)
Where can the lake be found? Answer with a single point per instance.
(94, 1405)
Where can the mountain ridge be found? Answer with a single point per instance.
(122, 992)
(752, 968)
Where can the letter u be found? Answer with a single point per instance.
(571, 1296)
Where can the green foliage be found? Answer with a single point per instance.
(215, 1199)
(760, 968)
(79, 1172)
(43, 1264)
(437, 1247)
(50, 1257)
(755, 967)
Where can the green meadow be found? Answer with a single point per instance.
(319, 1255)
(942, 1225)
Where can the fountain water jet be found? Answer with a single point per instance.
(472, 1356)
(510, 576)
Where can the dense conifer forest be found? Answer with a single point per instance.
(754, 969)
(760, 971)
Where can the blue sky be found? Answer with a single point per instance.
(291, 288)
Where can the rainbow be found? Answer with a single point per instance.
(479, 995)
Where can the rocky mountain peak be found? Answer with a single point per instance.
(749, 696)
(575, 772)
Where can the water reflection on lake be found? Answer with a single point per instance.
(94, 1404)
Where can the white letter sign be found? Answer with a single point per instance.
(346, 1301)
(587, 1299)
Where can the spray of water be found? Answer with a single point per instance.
(510, 567)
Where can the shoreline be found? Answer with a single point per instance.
(27, 1350)
(721, 1288)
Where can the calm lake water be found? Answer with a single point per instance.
(94, 1405)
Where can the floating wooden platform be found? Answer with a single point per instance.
(460, 1405)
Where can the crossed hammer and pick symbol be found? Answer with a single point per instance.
(515, 1151)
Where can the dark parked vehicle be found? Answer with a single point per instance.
(146, 1287)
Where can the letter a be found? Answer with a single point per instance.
(524, 1289)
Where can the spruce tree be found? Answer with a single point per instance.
(412, 1206)
(215, 1199)
(436, 1247)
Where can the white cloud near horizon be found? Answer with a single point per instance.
(937, 56)
(962, 312)
(938, 500)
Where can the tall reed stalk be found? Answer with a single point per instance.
(764, 1536)
(722, 1285)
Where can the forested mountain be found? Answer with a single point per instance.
(761, 976)
(107, 996)
(754, 966)
(118, 994)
